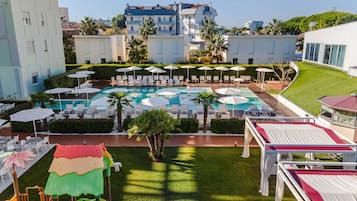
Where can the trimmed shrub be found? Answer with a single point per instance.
(126, 123)
(72, 66)
(235, 126)
(26, 127)
(188, 125)
(81, 126)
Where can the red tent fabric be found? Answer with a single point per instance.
(78, 151)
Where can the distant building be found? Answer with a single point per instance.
(253, 25)
(31, 48)
(334, 47)
(175, 19)
(260, 49)
(167, 49)
(93, 49)
(341, 113)
(64, 14)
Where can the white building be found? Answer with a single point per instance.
(31, 48)
(167, 49)
(260, 49)
(334, 47)
(93, 49)
(191, 17)
(254, 25)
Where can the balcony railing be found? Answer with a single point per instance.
(134, 22)
(166, 22)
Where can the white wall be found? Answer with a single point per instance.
(263, 49)
(22, 59)
(166, 49)
(339, 35)
(94, 48)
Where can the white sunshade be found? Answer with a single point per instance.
(205, 68)
(77, 75)
(31, 114)
(169, 92)
(188, 70)
(265, 70)
(157, 70)
(85, 72)
(58, 90)
(150, 68)
(171, 67)
(234, 100)
(228, 91)
(237, 68)
(101, 103)
(2, 121)
(188, 101)
(123, 70)
(134, 68)
(124, 90)
(86, 90)
(155, 101)
(196, 90)
(221, 68)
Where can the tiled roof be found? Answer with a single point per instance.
(347, 103)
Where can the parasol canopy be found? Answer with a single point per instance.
(155, 101)
(58, 91)
(188, 71)
(205, 68)
(171, 67)
(228, 91)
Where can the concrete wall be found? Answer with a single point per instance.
(339, 35)
(30, 44)
(166, 49)
(96, 48)
(263, 49)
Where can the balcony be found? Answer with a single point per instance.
(166, 22)
(129, 22)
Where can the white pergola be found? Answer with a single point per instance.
(288, 135)
(332, 184)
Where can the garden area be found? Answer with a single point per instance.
(186, 173)
(315, 81)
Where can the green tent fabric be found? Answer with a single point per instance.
(76, 185)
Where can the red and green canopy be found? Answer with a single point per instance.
(78, 170)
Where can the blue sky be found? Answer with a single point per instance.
(230, 12)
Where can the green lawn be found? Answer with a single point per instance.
(315, 81)
(189, 173)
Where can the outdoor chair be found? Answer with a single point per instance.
(4, 175)
(202, 78)
(174, 109)
(215, 79)
(226, 79)
(69, 108)
(194, 78)
(209, 78)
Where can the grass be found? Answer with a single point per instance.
(315, 81)
(188, 173)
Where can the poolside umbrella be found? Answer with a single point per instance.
(196, 90)
(87, 91)
(31, 115)
(156, 101)
(86, 72)
(134, 68)
(237, 68)
(78, 76)
(171, 67)
(58, 91)
(123, 70)
(124, 90)
(168, 92)
(205, 68)
(233, 100)
(262, 72)
(17, 160)
(2, 122)
(188, 71)
(79, 170)
(157, 70)
(151, 68)
(101, 103)
(228, 91)
(221, 68)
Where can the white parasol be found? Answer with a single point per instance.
(78, 76)
(171, 67)
(228, 91)
(237, 68)
(134, 68)
(155, 101)
(221, 68)
(58, 91)
(188, 71)
(205, 68)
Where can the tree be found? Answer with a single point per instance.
(274, 27)
(137, 50)
(292, 26)
(120, 101)
(118, 22)
(147, 28)
(208, 29)
(282, 71)
(206, 99)
(42, 99)
(88, 26)
(216, 46)
(154, 126)
(109, 31)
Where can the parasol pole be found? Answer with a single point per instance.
(188, 74)
(15, 183)
(59, 100)
(34, 129)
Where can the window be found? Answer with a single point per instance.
(119, 58)
(334, 55)
(131, 28)
(250, 61)
(42, 19)
(26, 17)
(49, 72)
(159, 28)
(327, 54)
(170, 28)
(103, 60)
(30, 45)
(87, 61)
(159, 19)
(170, 19)
(131, 19)
(35, 78)
(46, 48)
(235, 61)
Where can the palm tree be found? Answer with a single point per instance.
(208, 29)
(274, 27)
(137, 50)
(120, 101)
(217, 45)
(42, 99)
(147, 28)
(154, 126)
(118, 22)
(206, 99)
(88, 26)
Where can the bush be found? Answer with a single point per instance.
(235, 126)
(26, 127)
(188, 125)
(81, 126)
(72, 66)
(126, 123)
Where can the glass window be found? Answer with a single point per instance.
(341, 55)
(159, 19)
(307, 50)
(327, 54)
(317, 49)
(26, 18)
(42, 19)
(35, 78)
(170, 19)
(333, 55)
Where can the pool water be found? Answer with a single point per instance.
(137, 94)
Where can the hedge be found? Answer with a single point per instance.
(81, 126)
(235, 126)
(27, 127)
